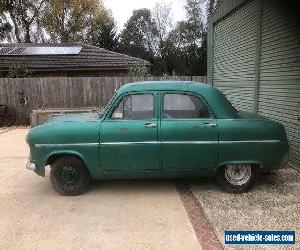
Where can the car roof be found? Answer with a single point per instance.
(215, 99)
(166, 85)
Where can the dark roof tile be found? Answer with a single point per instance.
(89, 57)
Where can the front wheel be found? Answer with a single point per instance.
(69, 176)
(237, 178)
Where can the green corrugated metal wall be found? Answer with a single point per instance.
(279, 85)
(234, 55)
(254, 58)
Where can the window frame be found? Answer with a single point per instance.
(121, 97)
(212, 116)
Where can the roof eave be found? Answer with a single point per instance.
(64, 68)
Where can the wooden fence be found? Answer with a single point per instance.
(26, 94)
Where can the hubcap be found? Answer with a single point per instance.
(69, 176)
(238, 174)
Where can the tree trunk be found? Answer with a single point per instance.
(16, 28)
(27, 33)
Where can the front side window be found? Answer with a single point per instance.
(184, 106)
(135, 107)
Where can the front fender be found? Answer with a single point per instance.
(46, 157)
(42, 161)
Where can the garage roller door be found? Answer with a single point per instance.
(279, 91)
(234, 54)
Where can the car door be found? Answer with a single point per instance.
(189, 133)
(128, 135)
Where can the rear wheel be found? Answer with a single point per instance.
(237, 178)
(69, 176)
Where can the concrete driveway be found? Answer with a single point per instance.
(111, 215)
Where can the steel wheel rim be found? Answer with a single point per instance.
(238, 174)
(69, 176)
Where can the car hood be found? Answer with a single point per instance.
(78, 117)
(251, 116)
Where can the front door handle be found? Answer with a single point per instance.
(209, 125)
(150, 125)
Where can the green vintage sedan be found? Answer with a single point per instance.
(158, 130)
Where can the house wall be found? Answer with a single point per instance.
(255, 46)
(234, 55)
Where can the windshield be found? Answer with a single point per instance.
(102, 111)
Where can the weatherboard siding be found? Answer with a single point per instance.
(254, 58)
(279, 95)
(234, 55)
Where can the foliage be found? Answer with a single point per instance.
(104, 34)
(5, 27)
(18, 72)
(73, 20)
(139, 34)
(194, 25)
(178, 49)
(210, 6)
(57, 21)
(145, 36)
(137, 70)
(24, 15)
(162, 20)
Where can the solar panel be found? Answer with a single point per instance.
(40, 50)
(52, 50)
(5, 50)
(17, 51)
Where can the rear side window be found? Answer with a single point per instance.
(184, 106)
(135, 107)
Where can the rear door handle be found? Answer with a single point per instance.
(209, 125)
(150, 125)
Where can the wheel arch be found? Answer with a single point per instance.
(51, 158)
(251, 162)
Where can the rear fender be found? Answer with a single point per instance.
(255, 163)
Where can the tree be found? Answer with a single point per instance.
(71, 20)
(24, 16)
(56, 21)
(145, 35)
(187, 41)
(194, 26)
(103, 33)
(210, 7)
(5, 28)
(162, 20)
(139, 37)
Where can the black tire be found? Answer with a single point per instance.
(69, 176)
(233, 186)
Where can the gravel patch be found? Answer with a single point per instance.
(273, 204)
